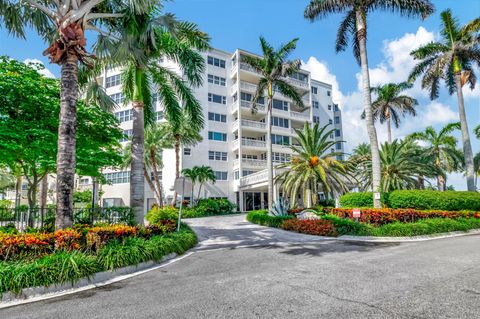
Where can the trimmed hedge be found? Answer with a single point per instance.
(320, 227)
(352, 200)
(426, 199)
(261, 217)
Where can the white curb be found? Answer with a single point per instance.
(100, 279)
(408, 239)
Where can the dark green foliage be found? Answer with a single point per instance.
(116, 254)
(357, 200)
(435, 200)
(347, 226)
(210, 206)
(261, 217)
(425, 227)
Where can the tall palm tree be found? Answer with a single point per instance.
(390, 105)
(205, 174)
(137, 43)
(192, 175)
(314, 168)
(354, 26)
(452, 60)
(184, 134)
(274, 68)
(63, 24)
(441, 150)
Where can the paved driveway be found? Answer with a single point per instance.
(240, 270)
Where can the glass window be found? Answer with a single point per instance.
(316, 119)
(337, 133)
(336, 108)
(236, 174)
(187, 151)
(329, 107)
(337, 119)
(160, 176)
(280, 122)
(118, 98)
(217, 98)
(217, 156)
(280, 105)
(217, 80)
(118, 177)
(338, 145)
(316, 105)
(314, 90)
(221, 176)
(124, 116)
(217, 136)
(330, 121)
(127, 134)
(113, 80)
(280, 139)
(217, 117)
(329, 93)
(216, 62)
(247, 172)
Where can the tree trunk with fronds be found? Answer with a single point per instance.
(389, 128)
(269, 150)
(137, 185)
(152, 186)
(367, 101)
(66, 156)
(467, 146)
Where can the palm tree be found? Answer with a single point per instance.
(441, 150)
(137, 43)
(354, 26)
(205, 174)
(401, 169)
(184, 134)
(63, 24)
(390, 105)
(274, 68)
(314, 166)
(452, 60)
(192, 174)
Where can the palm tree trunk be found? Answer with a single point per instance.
(441, 183)
(155, 174)
(367, 101)
(18, 190)
(177, 166)
(66, 155)
(44, 192)
(467, 146)
(137, 180)
(269, 153)
(151, 185)
(199, 190)
(389, 128)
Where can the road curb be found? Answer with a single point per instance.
(373, 239)
(34, 294)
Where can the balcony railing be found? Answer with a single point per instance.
(248, 105)
(253, 143)
(247, 67)
(254, 178)
(298, 115)
(254, 162)
(248, 86)
(299, 83)
(254, 124)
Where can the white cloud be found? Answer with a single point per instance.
(46, 72)
(320, 72)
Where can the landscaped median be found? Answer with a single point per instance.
(66, 256)
(373, 222)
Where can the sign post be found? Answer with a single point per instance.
(357, 213)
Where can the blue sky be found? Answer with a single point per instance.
(238, 24)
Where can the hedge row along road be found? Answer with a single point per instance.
(242, 270)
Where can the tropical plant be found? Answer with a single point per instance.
(204, 174)
(192, 175)
(354, 27)
(390, 105)
(440, 150)
(314, 166)
(63, 24)
(137, 43)
(274, 69)
(476, 159)
(452, 60)
(401, 167)
(279, 208)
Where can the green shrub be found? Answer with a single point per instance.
(434, 200)
(261, 217)
(350, 200)
(130, 251)
(157, 214)
(425, 227)
(211, 206)
(348, 226)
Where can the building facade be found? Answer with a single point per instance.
(233, 142)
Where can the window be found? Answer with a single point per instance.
(330, 121)
(299, 76)
(249, 156)
(331, 135)
(217, 117)
(113, 80)
(280, 105)
(280, 122)
(339, 157)
(314, 90)
(217, 80)
(336, 108)
(247, 172)
(84, 181)
(280, 139)
(124, 116)
(280, 157)
(217, 98)
(236, 174)
(217, 156)
(160, 176)
(338, 146)
(117, 98)
(216, 62)
(316, 119)
(337, 119)
(329, 93)
(217, 136)
(329, 107)
(159, 115)
(316, 105)
(221, 176)
(338, 133)
(118, 177)
(127, 134)
(332, 150)
(187, 151)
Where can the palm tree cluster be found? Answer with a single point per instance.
(407, 165)
(201, 175)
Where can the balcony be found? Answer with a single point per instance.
(253, 163)
(298, 83)
(246, 86)
(301, 116)
(253, 143)
(254, 124)
(247, 67)
(248, 105)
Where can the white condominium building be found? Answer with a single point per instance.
(233, 137)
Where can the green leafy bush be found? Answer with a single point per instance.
(211, 206)
(261, 217)
(350, 200)
(434, 200)
(425, 227)
(348, 226)
(156, 214)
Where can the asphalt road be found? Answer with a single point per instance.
(240, 270)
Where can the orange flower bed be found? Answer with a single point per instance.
(319, 227)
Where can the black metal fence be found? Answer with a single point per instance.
(44, 217)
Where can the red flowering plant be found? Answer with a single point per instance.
(319, 227)
(67, 239)
(25, 245)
